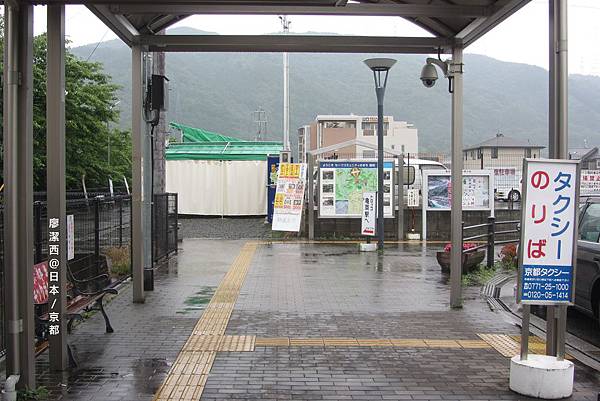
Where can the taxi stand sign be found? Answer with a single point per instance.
(547, 253)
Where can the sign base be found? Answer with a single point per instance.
(413, 236)
(541, 376)
(372, 247)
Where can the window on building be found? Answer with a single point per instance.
(528, 152)
(402, 148)
(494, 153)
(370, 128)
(479, 154)
(339, 124)
(368, 154)
(472, 155)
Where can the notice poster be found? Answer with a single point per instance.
(342, 184)
(289, 197)
(369, 214)
(590, 182)
(548, 235)
(476, 192)
(70, 237)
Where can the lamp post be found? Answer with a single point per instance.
(380, 68)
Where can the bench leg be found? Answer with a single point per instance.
(109, 328)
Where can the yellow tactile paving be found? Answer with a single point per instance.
(272, 342)
(370, 342)
(408, 343)
(442, 344)
(473, 344)
(188, 375)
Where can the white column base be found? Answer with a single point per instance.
(372, 247)
(541, 376)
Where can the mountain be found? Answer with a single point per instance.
(220, 91)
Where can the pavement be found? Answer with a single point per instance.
(240, 320)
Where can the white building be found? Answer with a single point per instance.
(329, 130)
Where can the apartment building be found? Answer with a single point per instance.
(329, 130)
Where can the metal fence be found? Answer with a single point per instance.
(164, 226)
(102, 227)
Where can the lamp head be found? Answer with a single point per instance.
(380, 64)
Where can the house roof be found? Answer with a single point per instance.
(583, 153)
(501, 141)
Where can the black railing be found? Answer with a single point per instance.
(488, 240)
(164, 226)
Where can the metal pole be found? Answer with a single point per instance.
(457, 165)
(137, 197)
(400, 197)
(286, 89)
(491, 240)
(525, 332)
(380, 90)
(311, 197)
(55, 117)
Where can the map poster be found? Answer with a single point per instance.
(342, 184)
(289, 197)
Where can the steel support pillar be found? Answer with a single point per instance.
(556, 316)
(457, 165)
(18, 180)
(137, 239)
(400, 160)
(55, 131)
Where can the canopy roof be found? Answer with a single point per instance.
(449, 21)
(190, 134)
(239, 150)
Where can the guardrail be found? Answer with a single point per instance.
(489, 236)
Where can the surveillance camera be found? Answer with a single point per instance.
(429, 75)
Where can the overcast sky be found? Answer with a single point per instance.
(523, 38)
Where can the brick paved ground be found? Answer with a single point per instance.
(301, 291)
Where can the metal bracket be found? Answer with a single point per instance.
(14, 326)
(455, 68)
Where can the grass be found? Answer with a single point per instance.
(121, 262)
(482, 274)
(40, 393)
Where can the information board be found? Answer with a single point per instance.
(477, 191)
(289, 197)
(342, 184)
(549, 226)
(590, 182)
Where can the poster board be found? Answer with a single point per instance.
(478, 192)
(547, 254)
(590, 182)
(289, 197)
(343, 182)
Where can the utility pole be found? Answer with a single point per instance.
(286, 88)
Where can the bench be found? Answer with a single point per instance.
(84, 294)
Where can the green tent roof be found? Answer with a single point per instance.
(235, 150)
(191, 134)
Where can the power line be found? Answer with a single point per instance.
(97, 45)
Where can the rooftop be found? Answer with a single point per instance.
(501, 141)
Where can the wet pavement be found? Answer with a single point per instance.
(302, 291)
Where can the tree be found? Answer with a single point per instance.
(89, 109)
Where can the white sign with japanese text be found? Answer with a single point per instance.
(70, 237)
(412, 197)
(548, 233)
(369, 214)
(289, 197)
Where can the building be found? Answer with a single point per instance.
(500, 151)
(590, 157)
(328, 130)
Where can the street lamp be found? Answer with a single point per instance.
(380, 68)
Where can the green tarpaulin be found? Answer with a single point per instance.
(191, 134)
(223, 150)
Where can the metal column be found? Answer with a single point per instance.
(556, 317)
(137, 239)
(400, 160)
(457, 165)
(18, 180)
(55, 131)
